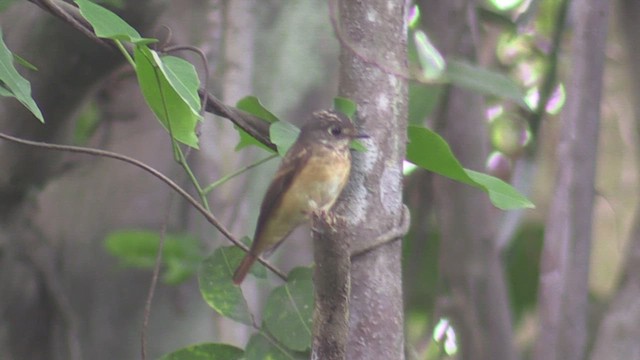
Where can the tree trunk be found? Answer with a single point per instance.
(373, 58)
(618, 334)
(470, 263)
(564, 288)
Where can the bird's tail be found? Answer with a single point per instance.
(243, 268)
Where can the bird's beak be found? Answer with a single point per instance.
(354, 134)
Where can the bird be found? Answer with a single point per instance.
(310, 179)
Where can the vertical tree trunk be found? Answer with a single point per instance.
(563, 296)
(373, 53)
(618, 334)
(470, 262)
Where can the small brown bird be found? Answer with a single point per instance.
(310, 178)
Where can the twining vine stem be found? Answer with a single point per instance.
(112, 155)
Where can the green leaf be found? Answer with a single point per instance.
(117, 4)
(484, 81)
(206, 351)
(260, 348)
(174, 112)
(288, 313)
(4, 4)
(138, 248)
(217, 287)
(252, 105)
(4, 91)
(247, 140)
(108, 25)
(345, 106)
(349, 108)
(86, 123)
(423, 100)
(431, 62)
(522, 267)
(283, 134)
(502, 195)
(357, 145)
(413, 18)
(13, 84)
(22, 61)
(431, 152)
(183, 77)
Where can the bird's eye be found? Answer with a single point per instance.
(335, 130)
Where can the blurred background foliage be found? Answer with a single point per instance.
(517, 40)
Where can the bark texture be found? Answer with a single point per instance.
(332, 285)
(373, 54)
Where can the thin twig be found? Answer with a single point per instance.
(253, 125)
(154, 282)
(182, 160)
(108, 154)
(34, 242)
(64, 12)
(396, 233)
(228, 177)
(550, 80)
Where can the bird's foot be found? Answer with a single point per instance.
(330, 219)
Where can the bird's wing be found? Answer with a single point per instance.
(295, 160)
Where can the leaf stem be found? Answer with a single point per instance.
(125, 53)
(182, 160)
(228, 177)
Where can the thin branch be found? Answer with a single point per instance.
(108, 154)
(228, 177)
(154, 282)
(396, 233)
(550, 80)
(253, 125)
(71, 15)
(36, 246)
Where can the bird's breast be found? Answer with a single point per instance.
(315, 187)
(321, 181)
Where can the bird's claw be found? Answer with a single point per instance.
(332, 220)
